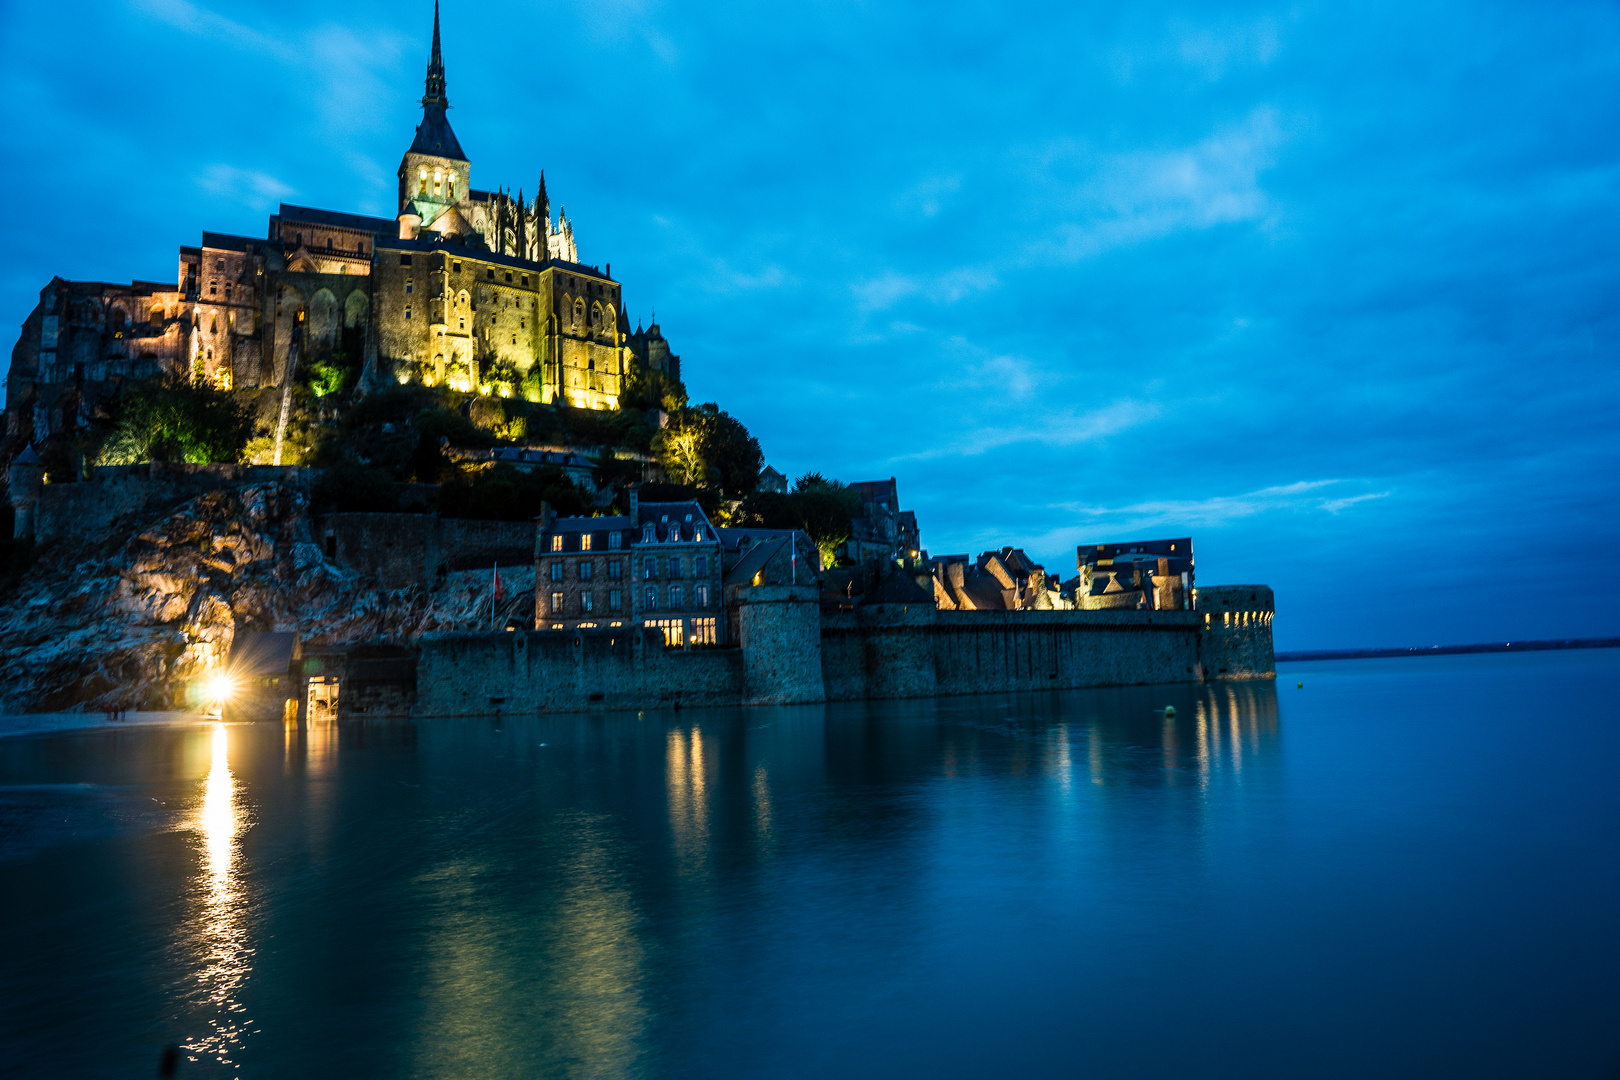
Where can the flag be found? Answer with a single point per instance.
(500, 594)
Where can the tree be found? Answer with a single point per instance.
(704, 441)
(170, 418)
(502, 493)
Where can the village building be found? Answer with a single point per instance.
(1153, 575)
(658, 566)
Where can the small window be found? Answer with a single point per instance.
(675, 568)
(614, 603)
(212, 288)
(676, 600)
(688, 518)
(585, 570)
(652, 598)
(556, 569)
(556, 603)
(404, 260)
(615, 540)
(647, 533)
(700, 566)
(219, 264)
(525, 279)
(700, 596)
(410, 286)
(615, 570)
(586, 606)
(407, 313)
(648, 567)
(457, 267)
(584, 541)
(490, 274)
(697, 534)
(556, 541)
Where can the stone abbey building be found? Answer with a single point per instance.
(473, 289)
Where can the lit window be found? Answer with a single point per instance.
(697, 534)
(585, 604)
(584, 541)
(647, 533)
(700, 596)
(704, 631)
(556, 603)
(556, 542)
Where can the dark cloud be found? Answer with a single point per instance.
(1330, 287)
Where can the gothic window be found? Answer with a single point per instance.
(213, 325)
(452, 189)
(421, 182)
(156, 316)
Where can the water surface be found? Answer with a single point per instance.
(1409, 867)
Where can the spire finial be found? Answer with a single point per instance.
(435, 73)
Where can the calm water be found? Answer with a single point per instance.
(1407, 868)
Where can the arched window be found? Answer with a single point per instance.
(647, 536)
(421, 182)
(451, 191)
(579, 312)
(156, 316)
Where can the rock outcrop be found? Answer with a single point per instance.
(130, 618)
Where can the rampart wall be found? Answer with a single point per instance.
(1236, 630)
(88, 507)
(569, 670)
(404, 549)
(794, 652)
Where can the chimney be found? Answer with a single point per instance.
(634, 491)
(542, 526)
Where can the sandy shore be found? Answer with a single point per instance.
(36, 723)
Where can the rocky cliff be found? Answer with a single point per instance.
(128, 618)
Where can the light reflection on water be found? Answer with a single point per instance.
(217, 935)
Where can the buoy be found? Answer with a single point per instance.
(1301, 685)
(1169, 712)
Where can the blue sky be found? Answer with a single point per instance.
(1332, 288)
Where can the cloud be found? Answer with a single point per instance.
(887, 289)
(1057, 429)
(200, 21)
(1130, 197)
(1301, 496)
(255, 190)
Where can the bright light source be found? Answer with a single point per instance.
(220, 687)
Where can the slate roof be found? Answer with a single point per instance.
(228, 242)
(670, 523)
(518, 456)
(337, 219)
(434, 137)
(755, 561)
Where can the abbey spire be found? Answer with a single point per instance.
(435, 72)
(433, 134)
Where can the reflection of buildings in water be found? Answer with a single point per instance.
(320, 748)
(688, 796)
(217, 934)
(569, 957)
(762, 808)
(1231, 721)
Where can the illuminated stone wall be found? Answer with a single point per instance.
(779, 629)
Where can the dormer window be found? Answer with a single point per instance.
(689, 518)
(556, 542)
(615, 539)
(584, 541)
(647, 536)
(697, 534)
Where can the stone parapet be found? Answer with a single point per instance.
(779, 629)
